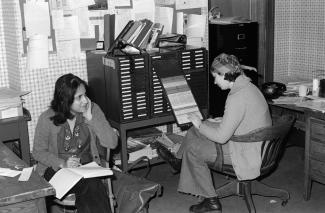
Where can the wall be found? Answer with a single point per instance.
(13, 73)
(39, 82)
(3, 55)
(299, 47)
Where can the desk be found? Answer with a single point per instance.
(16, 129)
(124, 127)
(313, 122)
(314, 150)
(298, 112)
(15, 196)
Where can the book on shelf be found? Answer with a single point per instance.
(64, 179)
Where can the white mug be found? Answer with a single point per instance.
(303, 90)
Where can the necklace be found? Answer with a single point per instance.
(68, 140)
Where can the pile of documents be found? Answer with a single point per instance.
(10, 103)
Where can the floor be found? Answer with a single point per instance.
(289, 175)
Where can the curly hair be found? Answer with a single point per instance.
(65, 89)
(229, 61)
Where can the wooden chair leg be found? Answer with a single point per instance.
(111, 195)
(248, 196)
(228, 189)
(307, 189)
(258, 188)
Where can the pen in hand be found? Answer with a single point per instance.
(73, 161)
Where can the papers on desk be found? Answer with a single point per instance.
(310, 102)
(317, 104)
(10, 102)
(288, 100)
(24, 174)
(9, 172)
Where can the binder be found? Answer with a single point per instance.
(131, 31)
(120, 36)
(143, 33)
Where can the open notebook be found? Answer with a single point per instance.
(178, 92)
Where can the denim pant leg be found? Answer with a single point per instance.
(195, 177)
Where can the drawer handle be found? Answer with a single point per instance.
(240, 48)
(241, 36)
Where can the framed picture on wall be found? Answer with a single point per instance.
(120, 4)
(99, 5)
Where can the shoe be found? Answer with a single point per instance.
(167, 156)
(211, 204)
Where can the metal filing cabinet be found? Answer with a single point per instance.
(240, 40)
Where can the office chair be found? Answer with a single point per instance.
(68, 203)
(273, 145)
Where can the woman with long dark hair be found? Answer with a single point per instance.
(68, 135)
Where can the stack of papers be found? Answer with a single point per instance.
(10, 102)
(316, 104)
(288, 100)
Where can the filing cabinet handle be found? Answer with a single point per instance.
(240, 48)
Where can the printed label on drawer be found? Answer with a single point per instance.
(109, 62)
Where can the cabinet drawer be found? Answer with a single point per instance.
(317, 150)
(317, 168)
(317, 129)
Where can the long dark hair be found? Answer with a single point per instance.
(65, 89)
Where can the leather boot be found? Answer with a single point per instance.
(211, 204)
(170, 158)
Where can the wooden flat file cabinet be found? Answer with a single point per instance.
(314, 151)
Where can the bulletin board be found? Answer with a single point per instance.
(85, 43)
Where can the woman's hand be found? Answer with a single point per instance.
(73, 162)
(195, 119)
(87, 114)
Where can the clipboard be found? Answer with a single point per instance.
(177, 90)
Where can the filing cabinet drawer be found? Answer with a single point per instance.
(317, 150)
(317, 129)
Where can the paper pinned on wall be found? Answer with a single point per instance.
(143, 9)
(85, 28)
(68, 39)
(37, 53)
(180, 23)
(57, 19)
(33, 23)
(121, 19)
(164, 16)
(196, 25)
(189, 4)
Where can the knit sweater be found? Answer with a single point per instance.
(45, 147)
(245, 110)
